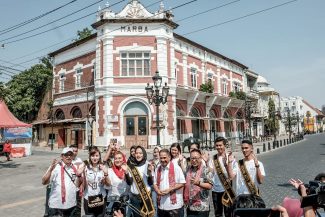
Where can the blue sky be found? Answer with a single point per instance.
(286, 44)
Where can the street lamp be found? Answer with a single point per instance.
(154, 97)
(248, 104)
(298, 122)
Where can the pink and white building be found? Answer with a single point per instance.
(119, 60)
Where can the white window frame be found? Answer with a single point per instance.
(78, 77)
(236, 87)
(210, 77)
(61, 82)
(224, 86)
(129, 58)
(193, 72)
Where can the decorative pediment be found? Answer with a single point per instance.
(134, 10)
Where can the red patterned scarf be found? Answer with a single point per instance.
(120, 173)
(172, 182)
(190, 190)
(63, 191)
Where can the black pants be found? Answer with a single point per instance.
(61, 212)
(169, 213)
(219, 208)
(197, 213)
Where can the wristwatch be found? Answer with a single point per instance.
(257, 166)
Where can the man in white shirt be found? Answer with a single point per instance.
(76, 161)
(64, 185)
(229, 168)
(168, 183)
(254, 168)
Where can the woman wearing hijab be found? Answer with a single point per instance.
(140, 181)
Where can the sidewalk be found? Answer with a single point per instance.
(259, 148)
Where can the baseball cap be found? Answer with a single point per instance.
(66, 150)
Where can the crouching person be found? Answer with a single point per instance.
(64, 182)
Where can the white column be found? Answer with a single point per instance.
(108, 61)
(162, 65)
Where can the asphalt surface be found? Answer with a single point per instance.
(22, 194)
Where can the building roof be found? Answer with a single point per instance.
(72, 45)
(319, 113)
(182, 38)
(261, 79)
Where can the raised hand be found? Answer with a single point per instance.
(124, 167)
(81, 169)
(295, 183)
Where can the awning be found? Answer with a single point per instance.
(8, 120)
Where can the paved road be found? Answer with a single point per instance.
(303, 160)
(21, 192)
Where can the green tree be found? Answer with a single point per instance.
(3, 91)
(272, 121)
(26, 90)
(207, 87)
(83, 34)
(238, 95)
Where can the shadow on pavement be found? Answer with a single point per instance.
(6, 164)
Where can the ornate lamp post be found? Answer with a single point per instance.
(154, 97)
(298, 122)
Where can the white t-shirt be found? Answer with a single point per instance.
(165, 202)
(118, 186)
(94, 185)
(217, 185)
(143, 173)
(55, 199)
(239, 184)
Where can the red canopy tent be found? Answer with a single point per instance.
(7, 119)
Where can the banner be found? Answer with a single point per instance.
(18, 133)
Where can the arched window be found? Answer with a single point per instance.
(195, 112)
(76, 112)
(59, 115)
(179, 112)
(93, 111)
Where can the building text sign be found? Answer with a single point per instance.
(134, 28)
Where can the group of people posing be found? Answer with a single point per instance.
(169, 185)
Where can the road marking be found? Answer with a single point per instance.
(24, 202)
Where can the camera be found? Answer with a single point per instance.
(315, 195)
(255, 212)
(115, 203)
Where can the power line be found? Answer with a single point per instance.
(239, 18)
(39, 27)
(12, 64)
(13, 41)
(9, 29)
(13, 69)
(225, 22)
(69, 39)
